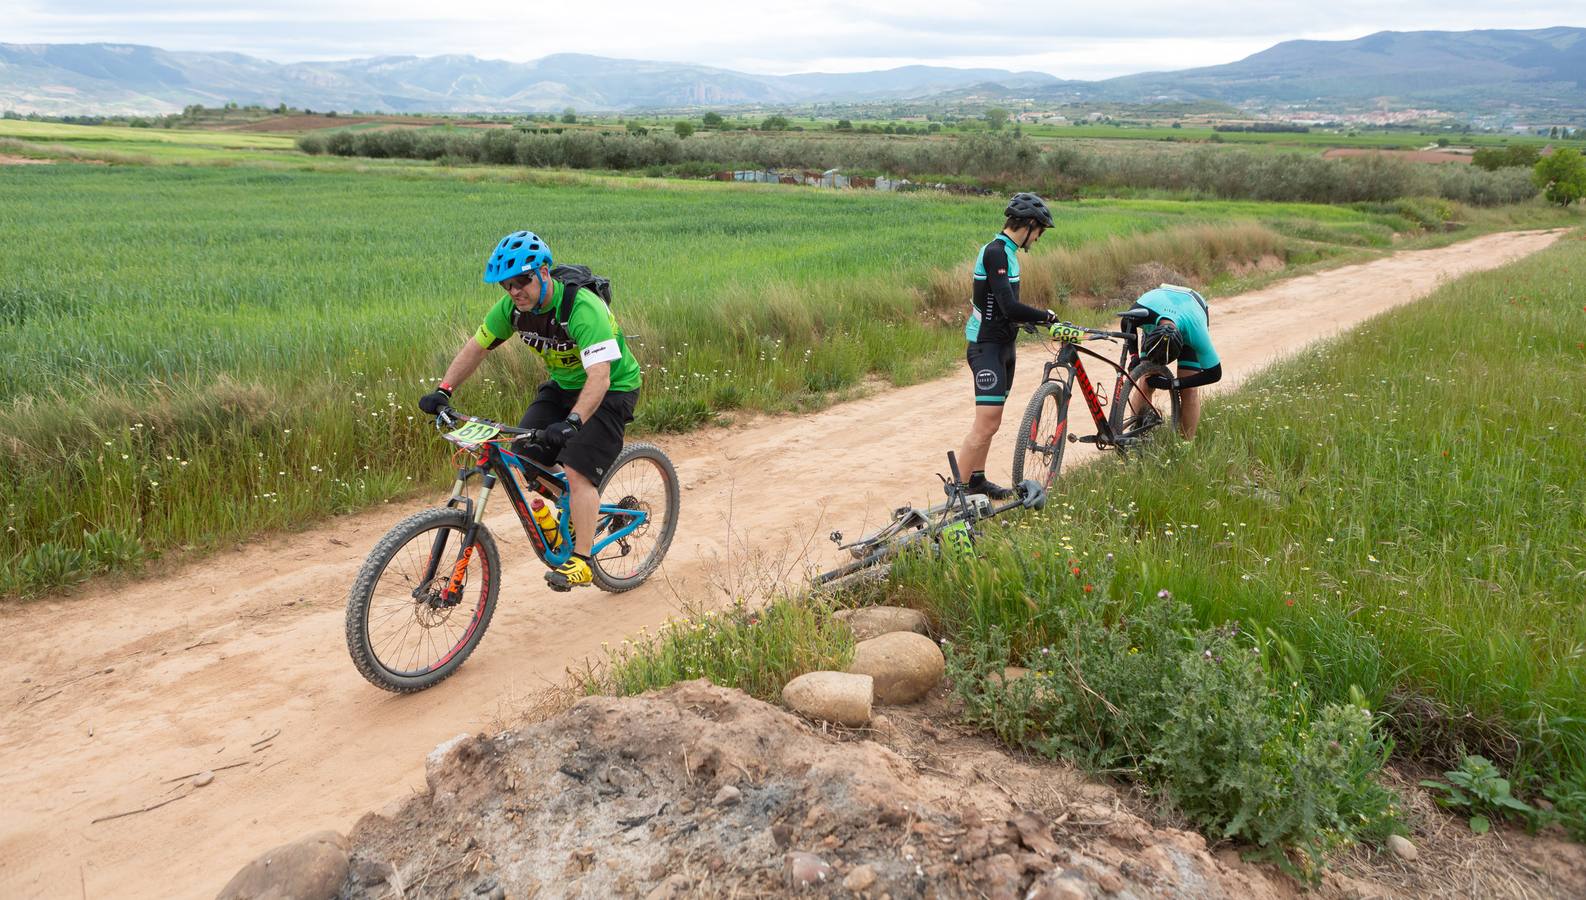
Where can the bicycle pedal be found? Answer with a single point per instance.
(557, 582)
(1086, 439)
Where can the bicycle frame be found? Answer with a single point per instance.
(1069, 358)
(911, 525)
(494, 466)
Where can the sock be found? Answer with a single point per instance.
(976, 476)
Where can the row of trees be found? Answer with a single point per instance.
(1561, 175)
(1514, 155)
(993, 161)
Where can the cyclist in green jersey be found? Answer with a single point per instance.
(993, 324)
(585, 406)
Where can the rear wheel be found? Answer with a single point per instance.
(878, 554)
(402, 635)
(1038, 450)
(642, 478)
(1129, 425)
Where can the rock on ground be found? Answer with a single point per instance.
(840, 697)
(313, 868)
(905, 665)
(868, 622)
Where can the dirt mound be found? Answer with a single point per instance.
(698, 790)
(1148, 276)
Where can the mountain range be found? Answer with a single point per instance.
(1457, 71)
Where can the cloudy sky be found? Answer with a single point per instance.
(1098, 41)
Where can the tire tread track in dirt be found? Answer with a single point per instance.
(188, 671)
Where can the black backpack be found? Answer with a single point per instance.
(576, 277)
(549, 328)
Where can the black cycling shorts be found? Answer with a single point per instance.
(594, 447)
(991, 368)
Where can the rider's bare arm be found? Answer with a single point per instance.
(594, 390)
(463, 365)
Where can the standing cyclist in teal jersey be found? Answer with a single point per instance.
(993, 325)
(1180, 329)
(586, 405)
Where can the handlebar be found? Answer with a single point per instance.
(448, 417)
(1092, 334)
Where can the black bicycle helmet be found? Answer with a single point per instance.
(1026, 205)
(1162, 344)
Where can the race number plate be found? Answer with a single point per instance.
(471, 435)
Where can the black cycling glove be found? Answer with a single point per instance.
(1161, 382)
(557, 434)
(432, 402)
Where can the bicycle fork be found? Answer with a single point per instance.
(475, 511)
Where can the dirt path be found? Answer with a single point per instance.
(129, 688)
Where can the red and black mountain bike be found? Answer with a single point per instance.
(1135, 410)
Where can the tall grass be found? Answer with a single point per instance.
(1091, 274)
(1401, 508)
(197, 353)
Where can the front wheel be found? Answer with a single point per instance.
(1130, 425)
(642, 478)
(403, 633)
(1038, 451)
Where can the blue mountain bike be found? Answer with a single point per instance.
(426, 592)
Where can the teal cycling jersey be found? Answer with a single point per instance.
(1187, 309)
(997, 312)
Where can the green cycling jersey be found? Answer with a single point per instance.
(589, 335)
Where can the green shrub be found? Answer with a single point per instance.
(1479, 789)
(50, 565)
(1205, 718)
(111, 549)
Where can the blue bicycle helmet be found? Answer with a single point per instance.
(518, 252)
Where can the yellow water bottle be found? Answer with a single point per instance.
(547, 522)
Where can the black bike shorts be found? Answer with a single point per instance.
(594, 447)
(991, 368)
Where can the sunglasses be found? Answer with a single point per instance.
(516, 282)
